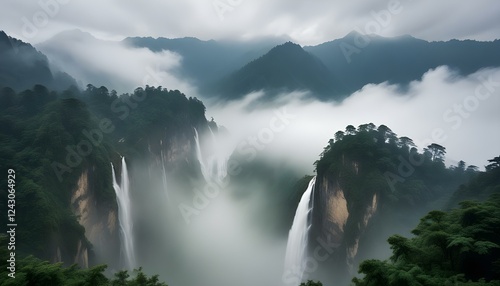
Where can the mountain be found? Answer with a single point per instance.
(357, 60)
(286, 67)
(230, 69)
(76, 52)
(371, 184)
(207, 61)
(22, 67)
(68, 205)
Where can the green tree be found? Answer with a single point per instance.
(350, 130)
(339, 135)
(458, 246)
(437, 152)
(311, 283)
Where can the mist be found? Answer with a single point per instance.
(112, 63)
(229, 241)
(443, 107)
(220, 244)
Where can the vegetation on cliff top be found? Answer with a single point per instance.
(50, 138)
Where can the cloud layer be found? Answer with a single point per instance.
(460, 113)
(305, 22)
(112, 63)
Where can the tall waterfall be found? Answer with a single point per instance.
(215, 167)
(296, 249)
(204, 170)
(217, 162)
(164, 174)
(124, 215)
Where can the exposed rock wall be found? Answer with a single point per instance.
(340, 217)
(99, 219)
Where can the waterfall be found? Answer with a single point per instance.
(296, 249)
(217, 162)
(204, 170)
(124, 215)
(164, 174)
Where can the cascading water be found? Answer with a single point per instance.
(204, 170)
(296, 249)
(164, 173)
(218, 162)
(124, 215)
(216, 167)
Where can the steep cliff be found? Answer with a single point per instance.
(342, 211)
(99, 220)
(371, 184)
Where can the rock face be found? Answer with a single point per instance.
(99, 220)
(340, 218)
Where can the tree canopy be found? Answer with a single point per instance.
(458, 247)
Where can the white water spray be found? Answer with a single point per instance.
(124, 215)
(204, 170)
(296, 249)
(164, 173)
(217, 162)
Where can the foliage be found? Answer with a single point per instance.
(481, 186)
(373, 167)
(33, 271)
(371, 159)
(311, 283)
(23, 66)
(40, 130)
(459, 247)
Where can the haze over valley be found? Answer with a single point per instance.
(250, 143)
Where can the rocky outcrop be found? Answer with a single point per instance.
(341, 214)
(99, 220)
(330, 212)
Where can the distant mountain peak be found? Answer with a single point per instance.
(288, 44)
(286, 49)
(353, 34)
(74, 35)
(23, 66)
(285, 68)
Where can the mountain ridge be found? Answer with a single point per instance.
(285, 68)
(339, 68)
(23, 66)
(357, 60)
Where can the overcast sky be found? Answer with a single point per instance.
(305, 22)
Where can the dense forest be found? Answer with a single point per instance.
(33, 271)
(449, 247)
(458, 247)
(388, 184)
(50, 138)
(38, 125)
(371, 187)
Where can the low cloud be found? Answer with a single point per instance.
(306, 22)
(112, 63)
(460, 113)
